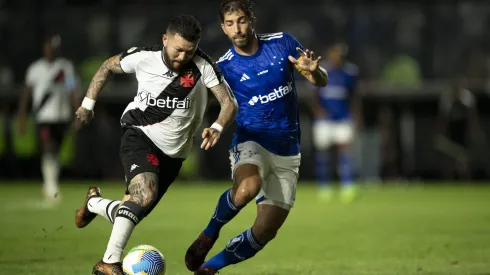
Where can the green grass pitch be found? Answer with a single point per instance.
(415, 230)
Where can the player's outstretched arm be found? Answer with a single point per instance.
(229, 109)
(310, 67)
(110, 66)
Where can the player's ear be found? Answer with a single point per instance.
(164, 39)
(223, 28)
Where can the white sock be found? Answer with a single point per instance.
(121, 231)
(103, 207)
(50, 169)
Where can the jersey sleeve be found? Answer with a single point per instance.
(291, 44)
(130, 59)
(30, 76)
(211, 74)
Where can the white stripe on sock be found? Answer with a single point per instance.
(252, 240)
(102, 207)
(230, 202)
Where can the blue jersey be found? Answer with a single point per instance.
(264, 87)
(335, 97)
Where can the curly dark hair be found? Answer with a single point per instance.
(236, 5)
(186, 26)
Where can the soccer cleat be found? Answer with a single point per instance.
(83, 217)
(102, 268)
(206, 271)
(197, 252)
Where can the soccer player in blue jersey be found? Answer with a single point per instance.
(333, 124)
(265, 152)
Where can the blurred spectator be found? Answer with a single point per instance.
(458, 119)
(402, 69)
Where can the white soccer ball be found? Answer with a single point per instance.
(144, 260)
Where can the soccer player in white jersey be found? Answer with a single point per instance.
(51, 83)
(265, 155)
(159, 126)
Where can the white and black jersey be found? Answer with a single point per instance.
(168, 107)
(51, 83)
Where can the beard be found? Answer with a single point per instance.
(169, 62)
(242, 41)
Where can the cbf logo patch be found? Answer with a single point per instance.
(234, 243)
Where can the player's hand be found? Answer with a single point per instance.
(306, 61)
(84, 115)
(211, 137)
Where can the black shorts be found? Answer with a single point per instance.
(52, 133)
(139, 154)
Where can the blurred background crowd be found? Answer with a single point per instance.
(413, 57)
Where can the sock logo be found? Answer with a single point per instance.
(234, 243)
(126, 213)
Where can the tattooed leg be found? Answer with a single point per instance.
(143, 189)
(143, 192)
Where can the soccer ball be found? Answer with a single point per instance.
(144, 260)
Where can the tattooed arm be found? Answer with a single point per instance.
(229, 109)
(227, 101)
(110, 66)
(100, 79)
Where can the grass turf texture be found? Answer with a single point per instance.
(390, 230)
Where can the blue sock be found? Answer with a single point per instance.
(345, 169)
(321, 168)
(240, 248)
(225, 212)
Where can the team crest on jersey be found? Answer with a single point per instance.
(187, 80)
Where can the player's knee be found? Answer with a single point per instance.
(343, 147)
(246, 190)
(264, 232)
(248, 183)
(143, 189)
(48, 148)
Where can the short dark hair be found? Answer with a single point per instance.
(186, 26)
(236, 5)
